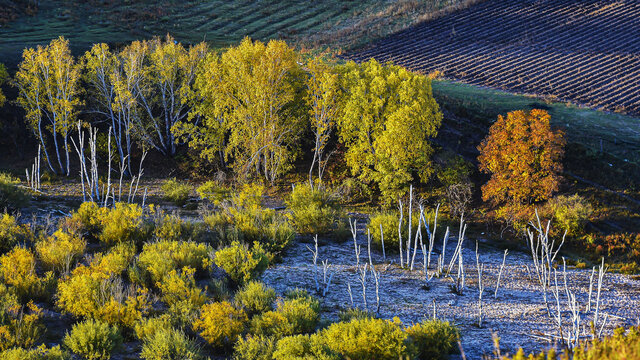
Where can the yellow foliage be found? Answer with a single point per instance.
(120, 224)
(220, 323)
(20, 326)
(12, 233)
(18, 269)
(161, 257)
(60, 251)
(389, 115)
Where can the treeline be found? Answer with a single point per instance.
(247, 108)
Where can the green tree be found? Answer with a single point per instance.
(3, 78)
(389, 115)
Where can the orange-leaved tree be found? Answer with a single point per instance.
(523, 155)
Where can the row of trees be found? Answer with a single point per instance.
(247, 107)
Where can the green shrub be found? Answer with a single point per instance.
(170, 344)
(147, 327)
(12, 197)
(255, 297)
(214, 192)
(93, 340)
(389, 222)
(241, 263)
(433, 339)
(254, 348)
(245, 220)
(12, 233)
(20, 326)
(121, 224)
(158, 258)
(39, 353)
(220, 324)
(293, 316)
(366, 339)
(354, 313)
(313, 210)
(569, 213)
(303, 347)
(175, 191)
(60, 251)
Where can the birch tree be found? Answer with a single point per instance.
(168, 73)
(389, 115)
(47, 81)
(324, 103)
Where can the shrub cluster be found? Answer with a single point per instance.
(242, 263)
(159, 258)
(220, 324)
(314, 210)
(170, 343)
(214, 192)
(93, 340)
(176, 191)
(12, 233)
(18, 270)
(122, 223)
(569, 213)
(60, 251)
(20, 326)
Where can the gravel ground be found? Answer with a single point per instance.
(518, 314)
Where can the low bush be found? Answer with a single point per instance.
(255, 297)
(569, 213)
(12, 197)
(159, 258)
(84, 221)
(147, 327)
(39, 353)
(624, 246)
(220, 324)
(170, 344)
(366, 339)
(622, 345)
(93, 340)
(12, 233)
(182, 295)
(254, 348)
(296, 315)
(123, 223)
(215, 193)
(245, 220)
(242, 263)
(175, 191)
(60, 251)
(90, 292)
(354, 313)
(303, 347)
(313, 210)
(116, 260)
(433, 339)
(169, 228)
(18, 269)
(20, 326)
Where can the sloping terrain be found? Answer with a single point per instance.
(585, 52)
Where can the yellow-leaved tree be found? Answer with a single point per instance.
(47, 80)
(249, 99)
(389, 115)
(523, 155)
(323, 99)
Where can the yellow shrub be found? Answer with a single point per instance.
(86, 220)
(241, 263)
(213, 192)
(254, 348)
(93, 340)
(366, 339)
(12, 233)
(18, 269)
(147, 327)
(20, 326)
(313, 210)
(160, 257)
(39, 353)
(121, 224)
(93, 293)
(176, 191)
(433, 339)
(116, 260)
(169, 228)
(60, 251)
(220, 324)
(170, 343)
(255, 297)
(180, 292)
(293, 316)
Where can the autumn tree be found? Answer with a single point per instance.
(389, 115)
(168, 72)
(47, 81)
(323, 99)
(249, 99)
(523, 155)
